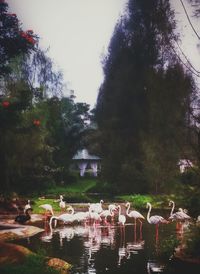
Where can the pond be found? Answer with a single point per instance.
(111, 248)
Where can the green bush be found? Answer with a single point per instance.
(33, 264)
(190, 177)
(167, 247)
(193, 243)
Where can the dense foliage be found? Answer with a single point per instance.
(40, 128)
(143, 104)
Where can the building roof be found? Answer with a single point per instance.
(84, 155)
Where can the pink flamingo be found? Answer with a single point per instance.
(179, 215)
(134, 214)
(155, 219)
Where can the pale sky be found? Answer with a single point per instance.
(189, 41)
(78, 33)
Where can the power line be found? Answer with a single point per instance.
(187, 59)
(198, 75)
(189, 20)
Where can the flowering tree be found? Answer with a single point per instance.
(16, 98)
(13, 40)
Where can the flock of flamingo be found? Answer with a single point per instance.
(96, 214)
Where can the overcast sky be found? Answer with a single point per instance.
(78, 33)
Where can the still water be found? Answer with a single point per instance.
(112, 248)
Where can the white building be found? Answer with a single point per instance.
(85, 161)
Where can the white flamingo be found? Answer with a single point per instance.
(107, 213)
(112, 207)
(62, 204)
(66, 218)
(121, 217)
(47, 208)
(134, 214)
(94, 216)
(97, 207)
(27, 206)
(81, 216)
(179, 215)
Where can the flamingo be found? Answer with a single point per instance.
(134, 214)
(112, 207)
(179, 215)
(97, 207)
(155, 219)
(81, 216)
(47, 208)
(121, 217)
(184, 213)
(108, 212)
(62, 204)
(94, 216)
(27, 206)
(66, 217)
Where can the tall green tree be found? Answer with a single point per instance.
(142, 104)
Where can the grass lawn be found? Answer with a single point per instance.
(81, 186)
(157, 201)
(77, 193)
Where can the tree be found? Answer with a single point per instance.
(66, 124)
(13, 40)
(138, 108)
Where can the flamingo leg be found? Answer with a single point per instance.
(141, 223)
(157, 234)
(135, 233)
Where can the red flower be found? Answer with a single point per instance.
(36, 122)
(23, 34)
(5, 104)
(28, 36)
(30, 40)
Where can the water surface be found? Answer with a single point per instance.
(112, 248)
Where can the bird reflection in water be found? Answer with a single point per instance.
(65, 233)
(47, 235)
(128, 248)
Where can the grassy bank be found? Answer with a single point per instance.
(92, 190)
(79, 193)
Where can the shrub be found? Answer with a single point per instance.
(33, 264)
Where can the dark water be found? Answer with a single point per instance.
(114, 249)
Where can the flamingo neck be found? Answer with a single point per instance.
(120, 210)
(128, 207)
(111, 211)
(148, 214)
(173, 206)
